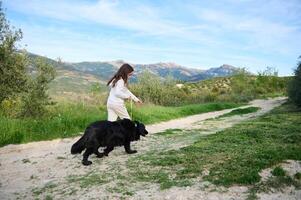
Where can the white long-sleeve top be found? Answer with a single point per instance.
(119, 93)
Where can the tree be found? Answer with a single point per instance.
(22, 79)
(13, 63)
(35, 100)
(294, 89)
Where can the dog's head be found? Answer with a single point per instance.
(140, 129)
(134, 128)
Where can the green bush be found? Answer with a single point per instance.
(241, 87)
(278, 171)
(153, 89)
(35, 100)
(13, 76)
(294, 88)
(23, 82)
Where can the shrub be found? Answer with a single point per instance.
(23, 82)
(278, 171)
(294, 88)
(153, 89)
(34, 101)
(13, 75)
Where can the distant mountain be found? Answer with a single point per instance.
(168, 69)
(222, 71)
(104, 70)
(80, 76)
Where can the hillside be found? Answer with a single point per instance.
(239, 87)
(104, 70)
(79, 77)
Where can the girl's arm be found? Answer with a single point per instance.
(123, 92)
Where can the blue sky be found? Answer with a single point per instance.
(199, 34)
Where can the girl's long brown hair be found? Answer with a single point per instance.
(123, 72)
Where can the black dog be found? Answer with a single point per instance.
(108, 134)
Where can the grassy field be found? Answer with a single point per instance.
(68, 120)
(241, 111)
(153, 113)
(232, 156)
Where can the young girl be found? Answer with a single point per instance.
(119, 92)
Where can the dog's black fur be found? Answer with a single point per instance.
(108, 134)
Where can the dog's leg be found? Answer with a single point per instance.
(108, 150)
(87, 153)
(98, 154)
(127, 147)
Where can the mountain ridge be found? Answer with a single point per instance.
(105, 69)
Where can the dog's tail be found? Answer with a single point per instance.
(78, 146)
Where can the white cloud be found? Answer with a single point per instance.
(140, 19)
(234, 31)
(261, 34)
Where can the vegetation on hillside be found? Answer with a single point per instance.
(241, 87)
(153, 89)
(13, 65)
(294, 89)
(23, 86)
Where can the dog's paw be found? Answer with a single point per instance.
(100, 155)
(86, 163)
(132, 151)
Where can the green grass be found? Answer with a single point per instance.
(68, 120)
(278, 171)
(47, 187)
(155, 175)
(48, 197)
(150, 113)
(240, 111)
(89, 179)
(65, 121)
(121, 188)
(95, 178)
(232, 156)
(169, 132)
(275, 183)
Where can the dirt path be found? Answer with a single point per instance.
(46, 170)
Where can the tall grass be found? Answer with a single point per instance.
(241, 87)
(64, 121)
(153, 113)
(67, 120)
